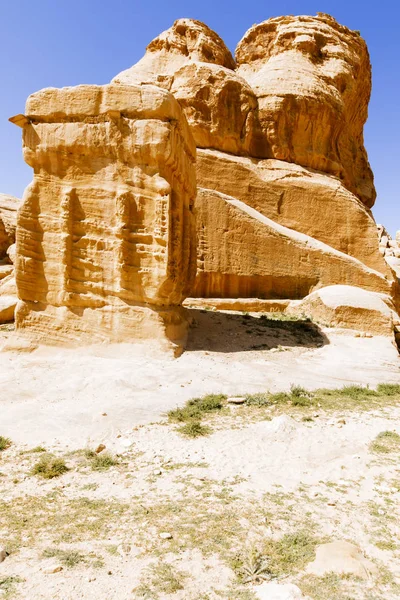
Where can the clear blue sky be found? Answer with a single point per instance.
(67, 42)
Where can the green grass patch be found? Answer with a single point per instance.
(69, 558)
(194, 429)
(196, 408)
(103, 461)
(49, 467)
(276, 558)
(4, 443)
(386, 442)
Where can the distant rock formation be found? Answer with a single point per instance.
(8, 222)
(106, 239)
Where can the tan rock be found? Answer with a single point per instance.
(312, 78)
(242, 253)
(8, 298)
(105, 236)
(8, 220)
(343, 558)
(11, 253)
(187, 41)
(312, 203)
(192, 62)
(7, 308)
(350, 308)
(5, 271)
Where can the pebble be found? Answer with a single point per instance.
(157, 472)
(56, 568)
(3, 555)
(100, 448)
(236, 400)
(164, 535)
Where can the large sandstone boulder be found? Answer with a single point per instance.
(8, 221)
(105, 236)
(312, 78)
(349, 307)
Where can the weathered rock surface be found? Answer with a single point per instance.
(343, 558)
(106, 239)
(313, 203)
(312, 78)
(192, 62)
(350, 308)
(242, 253)
(8, 221)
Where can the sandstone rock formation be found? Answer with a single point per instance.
(299, 94)
(312, 78)
(106, 239)
(192, 62)
(8, 222)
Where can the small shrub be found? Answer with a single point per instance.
(290, 553)
(49, 466)
(69, 558)
(4, 443)
(252, 568)
(356, 392)
(196, 407)
(280, 398)
(89, 454)
(194, 429)
(38, 449)
(297, 391)
(388, 389)
(260, 399)
(386, 442)
(103, 461)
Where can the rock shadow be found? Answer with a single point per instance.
(217, 331)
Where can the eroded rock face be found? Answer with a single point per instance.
(312, 78)
(192, 62)
(243, 253)
(309, 202)
(281, 133)
(106, 238)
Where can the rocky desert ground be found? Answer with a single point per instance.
(109, 491)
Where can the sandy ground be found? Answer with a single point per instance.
(57, 394)
(257, 478)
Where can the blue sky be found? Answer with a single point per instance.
(68, 42)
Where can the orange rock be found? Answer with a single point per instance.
(312, 78)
